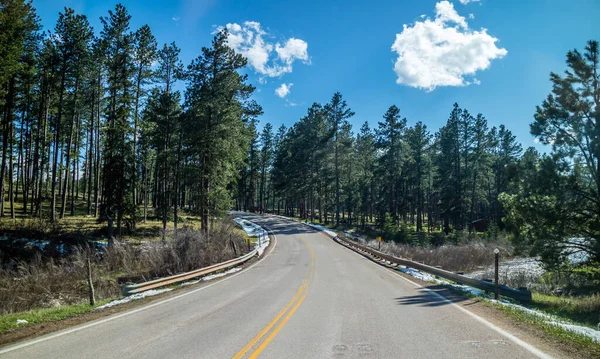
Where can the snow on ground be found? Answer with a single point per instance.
(254, 230)
(516, 271)
(321, 228)
(426, 277)
(136, 296)
(549, 319)
(212, 276)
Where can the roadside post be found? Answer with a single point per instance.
(496, 255)
(379, 242)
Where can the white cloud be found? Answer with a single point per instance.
(294, 49)
(283, 90)
(471, 16)
(265, 57)
(445, 13)
(443, 51)
(176, 18)
(465, 2)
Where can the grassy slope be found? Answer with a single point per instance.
(42, 315)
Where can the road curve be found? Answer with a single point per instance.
(309, 298)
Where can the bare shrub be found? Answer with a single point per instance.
(48, 282)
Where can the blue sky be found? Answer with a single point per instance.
(346, 46)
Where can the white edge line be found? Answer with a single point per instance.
(540, 354)
(101, 321)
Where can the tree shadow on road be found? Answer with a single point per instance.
(427, 299)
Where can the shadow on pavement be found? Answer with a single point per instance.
(427, 299)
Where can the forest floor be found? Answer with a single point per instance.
(43, 275)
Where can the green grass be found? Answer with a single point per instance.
(583, 342)
(584, 309)
(43, 315)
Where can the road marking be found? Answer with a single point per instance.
(302, 291)
(274, 333)
(249, 346)
(530, 348)
(102, 321)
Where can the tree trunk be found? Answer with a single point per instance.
(57, 142)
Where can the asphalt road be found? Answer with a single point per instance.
(309, 298)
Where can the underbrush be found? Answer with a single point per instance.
(52, 282)
(461, 257)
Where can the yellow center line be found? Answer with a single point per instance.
(277, 329)
(300, 293)
(248, 346)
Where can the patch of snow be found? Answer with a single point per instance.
(466, 288)
(253, 229)
(136, 296)
(21, 321)
(321, 228)
(212, 276)
(588, 332)
(39, 244)
(578, 257)
(574, 254)
(549, 319)
(426, 277)
(61, 248)
(516, 272)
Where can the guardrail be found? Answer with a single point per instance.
(522, 295)
(161, 282)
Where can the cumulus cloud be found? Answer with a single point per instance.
(443, 51)
(265, 57)
(283, 90)
(465, 2)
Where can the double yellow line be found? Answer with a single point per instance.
(293, 304)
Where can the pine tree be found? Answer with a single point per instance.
(75, 35)
(418, 139)
(118, 154)
(390, 143)
(366, 157)
(266, 158)
(18, 27)
(219, 111)
(338, 114)
(144, 55)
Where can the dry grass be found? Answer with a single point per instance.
(47, 282)
(463, 258)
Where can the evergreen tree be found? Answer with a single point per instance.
(338, 114)
(560, 213)
(118, 155)
(218, 112)
(144, 55)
